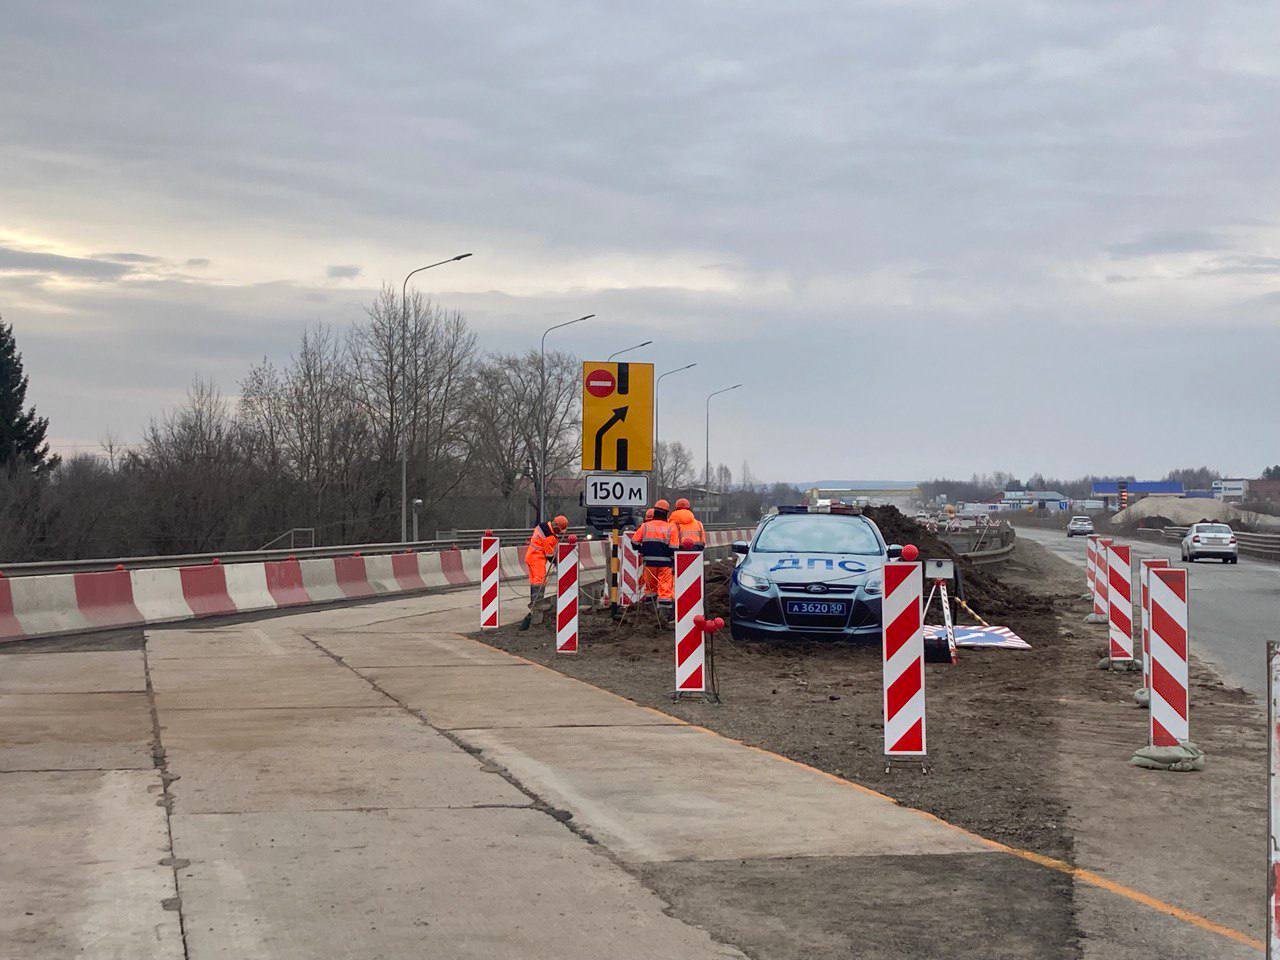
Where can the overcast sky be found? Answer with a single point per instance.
(930, 238)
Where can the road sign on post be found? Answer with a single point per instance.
(617, 416)
(616, 490)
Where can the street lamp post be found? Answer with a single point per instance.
(404, 355)
(416, 505)
(627, 350)
(661, 377)
(707, 478)
(542, 414)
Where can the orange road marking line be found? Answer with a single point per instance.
(1051, 863)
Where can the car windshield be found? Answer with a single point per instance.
(1218, 528)
(803, 533)
(1079, 519)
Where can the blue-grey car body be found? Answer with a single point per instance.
(802, 594)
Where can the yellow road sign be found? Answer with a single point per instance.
(617, 416)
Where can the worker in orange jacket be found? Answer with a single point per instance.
(689, 529)
(541, 550)
(656, 538)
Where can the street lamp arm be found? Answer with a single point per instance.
(404, 287)
(627, 350)
(542, 413)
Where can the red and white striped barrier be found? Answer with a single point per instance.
(1273, 800)
(1090, 563)
(1120, 602)
(902, 648)
(1101, 559)
(77, 602)
(1144, 601)
(628, 573)
(489, 581)
(691, 674)
(1170, 677)
(567, 596)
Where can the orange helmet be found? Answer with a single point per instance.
(561, 523)
(682, 504)
(662, 505)
(648, 514)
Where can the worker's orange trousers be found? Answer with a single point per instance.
(660, 581)
(536, 561)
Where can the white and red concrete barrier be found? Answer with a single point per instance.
(567, 596)
(39, 606)
(902, 634)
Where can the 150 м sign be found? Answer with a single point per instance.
(607, 490)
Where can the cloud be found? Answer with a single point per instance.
(197, 262)
(1228, 266)
(1188, 241)
(343, 272)
(31, 261)
(128, 257)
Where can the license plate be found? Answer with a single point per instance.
(817, 608)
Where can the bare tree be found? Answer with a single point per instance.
(672, 465)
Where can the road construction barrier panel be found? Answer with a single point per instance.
(63, 603)
(902, 648)
(1101, 562)
(1144, 603)
(1170, 679)
(691, 651)
(489, 582)
(567, 596)
(628, 573)
(1090, 559)
(1273, 800)
(1120, 602)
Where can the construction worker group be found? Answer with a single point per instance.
(663, 531)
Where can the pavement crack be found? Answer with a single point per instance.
(161, 761)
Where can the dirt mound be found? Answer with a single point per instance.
(980, 587)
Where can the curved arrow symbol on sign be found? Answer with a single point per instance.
(619, 415)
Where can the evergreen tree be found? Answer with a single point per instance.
(22, 442)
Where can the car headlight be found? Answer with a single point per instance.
(872, 587)
(752, 582)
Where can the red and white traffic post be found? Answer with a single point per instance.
(489, 580)
(1273, 800)
(1090, 564)
(628, 573)
(1144, 586)
(1120, 603)
(1170, 639)
(902, 650)
(567, 596)
(691, 666)
(1101, 554)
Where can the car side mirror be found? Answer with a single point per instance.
(894, 551)
(741, 547)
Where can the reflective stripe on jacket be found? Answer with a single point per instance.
(656, 538)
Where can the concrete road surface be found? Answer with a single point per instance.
(365, 782)
(1232, 607)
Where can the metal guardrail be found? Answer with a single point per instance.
(462, 540)
(1260, 546)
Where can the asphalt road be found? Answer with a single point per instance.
(1233, 607)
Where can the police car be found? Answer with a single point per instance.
(810, 572)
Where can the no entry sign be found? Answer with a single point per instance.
(601, 383)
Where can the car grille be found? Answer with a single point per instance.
(833, 589)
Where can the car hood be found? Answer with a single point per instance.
(812, 567)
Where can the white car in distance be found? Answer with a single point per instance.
(1210, 540)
